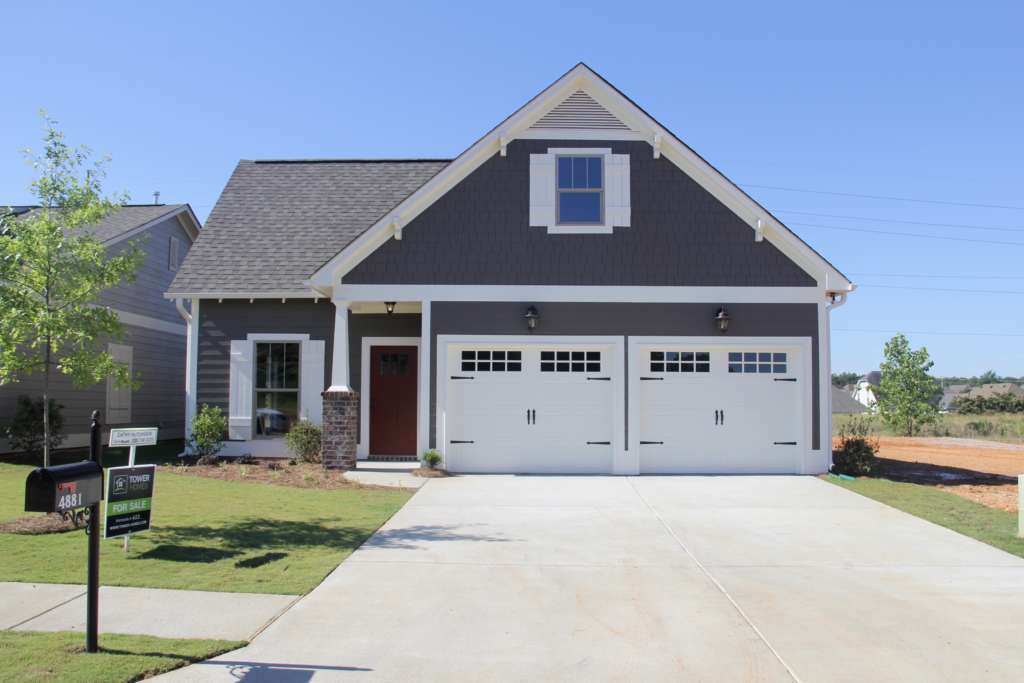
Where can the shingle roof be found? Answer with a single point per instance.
(843, 402)
(278, 221)
(123, 220)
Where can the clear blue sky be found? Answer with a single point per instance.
(912, 100)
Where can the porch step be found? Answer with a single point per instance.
(392, 458)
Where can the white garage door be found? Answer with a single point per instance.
(529, 408)
(715, 408)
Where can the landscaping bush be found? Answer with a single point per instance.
(25, 433)
(432, 459)
(857, 448)
(304, 441)
(209, 428)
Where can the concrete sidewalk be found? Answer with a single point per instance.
(143, 611)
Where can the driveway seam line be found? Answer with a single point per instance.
(715, 581)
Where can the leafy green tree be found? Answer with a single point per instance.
(52, 271)
(988, 377)
(841, 379)
(906, 390)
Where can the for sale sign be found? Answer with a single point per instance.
(129, 499)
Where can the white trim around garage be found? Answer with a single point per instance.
(583, 293)
(363, 447)
(617, 372)
(148, 323)
(632, 463)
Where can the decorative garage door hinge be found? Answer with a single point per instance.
(785, 443)
(652, 443)
(457, 441)
(599, 443)
(785, 379)
(652, 379)
(457, 377)
(599, 379)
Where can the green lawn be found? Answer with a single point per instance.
(30, 657)
(995, 527)
(208, 535)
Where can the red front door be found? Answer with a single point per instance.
(393, 400)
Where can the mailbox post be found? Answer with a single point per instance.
(92, 605)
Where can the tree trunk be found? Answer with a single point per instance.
(46, 408)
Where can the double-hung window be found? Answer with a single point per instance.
(276, 387)
(580, 190)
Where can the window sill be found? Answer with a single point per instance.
(580, 229)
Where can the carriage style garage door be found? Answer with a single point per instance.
(530, 407)
(712, 406)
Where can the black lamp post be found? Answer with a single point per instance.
(722, 319)
(532, 316)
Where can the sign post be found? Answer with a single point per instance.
(131, 437)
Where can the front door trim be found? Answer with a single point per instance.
(363, 447)
(617, 374)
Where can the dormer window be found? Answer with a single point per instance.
(580, 190)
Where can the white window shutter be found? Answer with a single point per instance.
(119, 398)
(542, 189)
(311, 382)
(616, 200)
(240, 390)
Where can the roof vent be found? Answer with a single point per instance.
(580, 110)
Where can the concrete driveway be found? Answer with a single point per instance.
(649, 578)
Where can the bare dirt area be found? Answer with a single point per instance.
(982, 471)
(301, 475)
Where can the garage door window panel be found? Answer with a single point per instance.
(492, 361)
(680, 361)
(570, 361)
(758, 362)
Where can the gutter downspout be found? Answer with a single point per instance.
(191, 318)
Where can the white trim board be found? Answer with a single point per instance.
(147, 323)
(662, 140)
(628, 294)
(363, 446)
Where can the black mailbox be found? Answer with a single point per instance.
(64, 487)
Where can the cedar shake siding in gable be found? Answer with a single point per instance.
(479, 233)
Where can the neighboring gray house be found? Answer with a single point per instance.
(950, 394)
(578, 291)
(844, 402)
(154, 346)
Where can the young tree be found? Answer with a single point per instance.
(841, 379)
(904, 397)
(52, 271)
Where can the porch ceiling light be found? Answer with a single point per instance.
(531, 316)
(389, 306)
(722, 319)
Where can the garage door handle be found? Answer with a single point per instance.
(599, 443)
(599, 379)
(456, 441)
(457, 377)
(652, 443)
(785, 379)
(716, 417)
(784, 443)
(652, 379)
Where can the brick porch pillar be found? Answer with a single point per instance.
(340, 429)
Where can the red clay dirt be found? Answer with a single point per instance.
(982, 471)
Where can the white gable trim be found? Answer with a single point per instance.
(516, 126)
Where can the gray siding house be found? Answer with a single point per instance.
(155, 340)
(578, 291)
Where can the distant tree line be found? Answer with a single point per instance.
(977, 405)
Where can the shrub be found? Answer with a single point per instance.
(857, 447)
(981, 427)
(432, 459)
(209, 428)
(25, 433)
(304, 441)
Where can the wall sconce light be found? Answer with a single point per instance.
(389, 306)
(722, 319)
(532, 316)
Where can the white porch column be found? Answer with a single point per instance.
(339, 357)
(192, 367)
(423, 421)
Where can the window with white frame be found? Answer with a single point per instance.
(758, 362)
(119, 396)
(173, 254)
(580, 190)
(276, 387)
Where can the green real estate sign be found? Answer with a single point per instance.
(129, 499)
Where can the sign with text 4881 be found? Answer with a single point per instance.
(129, 500)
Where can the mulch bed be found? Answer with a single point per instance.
(992, 490)
(299, 475)
(38, 524)
(428, 473)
